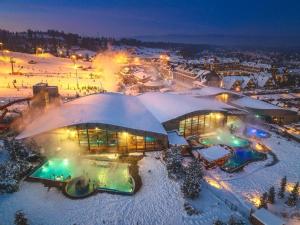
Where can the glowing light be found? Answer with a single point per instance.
(255, 200)
(44, 169)
(238, 89)
(121, 58)
(236, 142)
(66, 162)
(213, 183)
(259, 147)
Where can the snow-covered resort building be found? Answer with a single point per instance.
(113, 122)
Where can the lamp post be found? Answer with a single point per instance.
(76, 76)
(12, 62)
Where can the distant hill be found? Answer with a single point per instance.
(228, 40)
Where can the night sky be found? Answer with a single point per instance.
(119, 18)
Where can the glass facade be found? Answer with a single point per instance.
(195, 125)
(97, 139)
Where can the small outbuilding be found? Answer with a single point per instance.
(264, 217)
(212, 156)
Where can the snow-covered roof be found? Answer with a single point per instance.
(262, 78)
(248, 102)
(257, 65)
(213, 153)
(229, 81)
(176, 139)
(141, 75)
(167, 106)
(156, 83)
(206, 91)
(145, 112)
(107, 108)
(267, 218)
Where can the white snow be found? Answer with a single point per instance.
(267, 218)
(106, 108)
(213, 153)
(255, 179)
(254, 104)
(166, 106)
(159, 201)
(176, 139)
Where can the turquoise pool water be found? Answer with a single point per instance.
(225, 139)
(112, 176)
(241, 157)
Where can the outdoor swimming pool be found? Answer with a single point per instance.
(254, 132)
(225, 139)
(240, 158)
(106, 176)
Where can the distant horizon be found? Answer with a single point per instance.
(214, 39)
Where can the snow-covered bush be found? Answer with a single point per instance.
(190, 210)
(20, 218)
(21, 158)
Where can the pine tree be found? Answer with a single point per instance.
(20, 218)
(271, 195)
(191, 184)
(174, 162)
(263, 201)
(293, 198)
(282, 188)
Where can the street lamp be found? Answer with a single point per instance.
(74, 58)
(39, 51)
(75, 67)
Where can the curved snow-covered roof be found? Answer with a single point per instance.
(107, 108)
(166, 106)
(145, 112)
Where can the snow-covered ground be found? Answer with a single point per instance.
(256, 179)
(159, 201)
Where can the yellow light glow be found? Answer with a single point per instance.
(255, 200)
(121, 58)
(213, 183)
(290, 187)
(259, 147)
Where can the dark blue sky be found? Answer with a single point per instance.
(157, 17)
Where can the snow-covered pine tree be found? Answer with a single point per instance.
(191, 184)
(174, 162)
(20, 218)
(293, 198)
(271, 195)
(263, 201)
(281, 191)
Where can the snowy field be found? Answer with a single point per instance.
(159, 201)
(255, 179)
